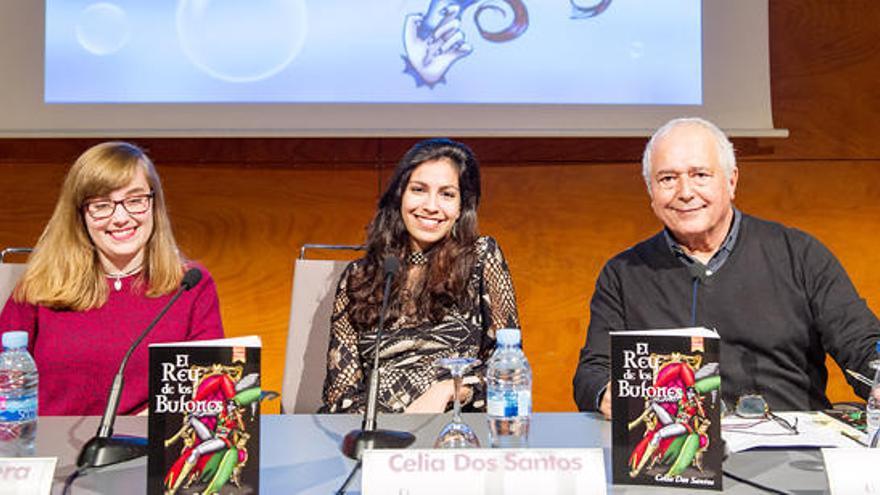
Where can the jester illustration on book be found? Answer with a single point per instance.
(213, 432)
(676, 418)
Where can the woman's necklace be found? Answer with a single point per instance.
(417, 258)
(118, 276)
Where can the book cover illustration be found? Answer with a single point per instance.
(204, 420)
(666, 404)
(851, 416)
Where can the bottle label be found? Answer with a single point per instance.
(509, 403)
(872, 418)
(18, 409)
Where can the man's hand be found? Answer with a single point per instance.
(605, 404)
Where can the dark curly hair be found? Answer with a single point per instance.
(450, 260)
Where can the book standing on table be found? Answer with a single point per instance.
(204, 425)
(666, 403)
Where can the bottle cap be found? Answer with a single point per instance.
(508, 336)
(15, 339)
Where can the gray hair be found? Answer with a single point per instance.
(726, 157)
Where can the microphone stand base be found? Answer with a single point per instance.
(357, 441)
(103, 451)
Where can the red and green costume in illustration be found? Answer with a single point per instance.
(214, 436)
(676, 424)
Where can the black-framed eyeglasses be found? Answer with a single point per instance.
(753, 406)
(105, 208)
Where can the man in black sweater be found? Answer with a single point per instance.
(777, 297)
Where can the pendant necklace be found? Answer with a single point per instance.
(117, 277)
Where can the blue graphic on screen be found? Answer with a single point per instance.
(633, 52)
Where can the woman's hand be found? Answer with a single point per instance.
(435, 399)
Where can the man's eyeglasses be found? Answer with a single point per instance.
(105, 208)
(753, 406)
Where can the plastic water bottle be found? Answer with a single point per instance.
(18, 397)
(509, 391)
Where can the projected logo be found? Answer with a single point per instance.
(433, 41)
(373, 51)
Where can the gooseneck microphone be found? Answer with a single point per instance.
(391, 267)
(368, 437)
(104, 448)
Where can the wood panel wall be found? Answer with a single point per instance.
(559, 207)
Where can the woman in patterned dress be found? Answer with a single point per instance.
(452, 293)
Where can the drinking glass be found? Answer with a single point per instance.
(456, 434)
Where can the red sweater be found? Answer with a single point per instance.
(78, 352)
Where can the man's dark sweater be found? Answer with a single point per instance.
(779, 302)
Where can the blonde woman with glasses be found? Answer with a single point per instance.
(103, 268)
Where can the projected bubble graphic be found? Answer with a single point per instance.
(636, 50)
(102, 29)
(241, 41)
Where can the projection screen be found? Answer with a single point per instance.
(381, 67)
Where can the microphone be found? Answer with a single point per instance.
(697, 272)
(390, 269)
(698, 276)
(368, 437)
(104, 448)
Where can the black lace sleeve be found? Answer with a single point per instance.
(498, 295)
(498, 308)
(344, 384)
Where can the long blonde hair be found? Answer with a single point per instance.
(64, 271)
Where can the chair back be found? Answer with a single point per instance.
(308, 332)
(10, 273)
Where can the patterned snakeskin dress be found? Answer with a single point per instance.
(409, 348)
